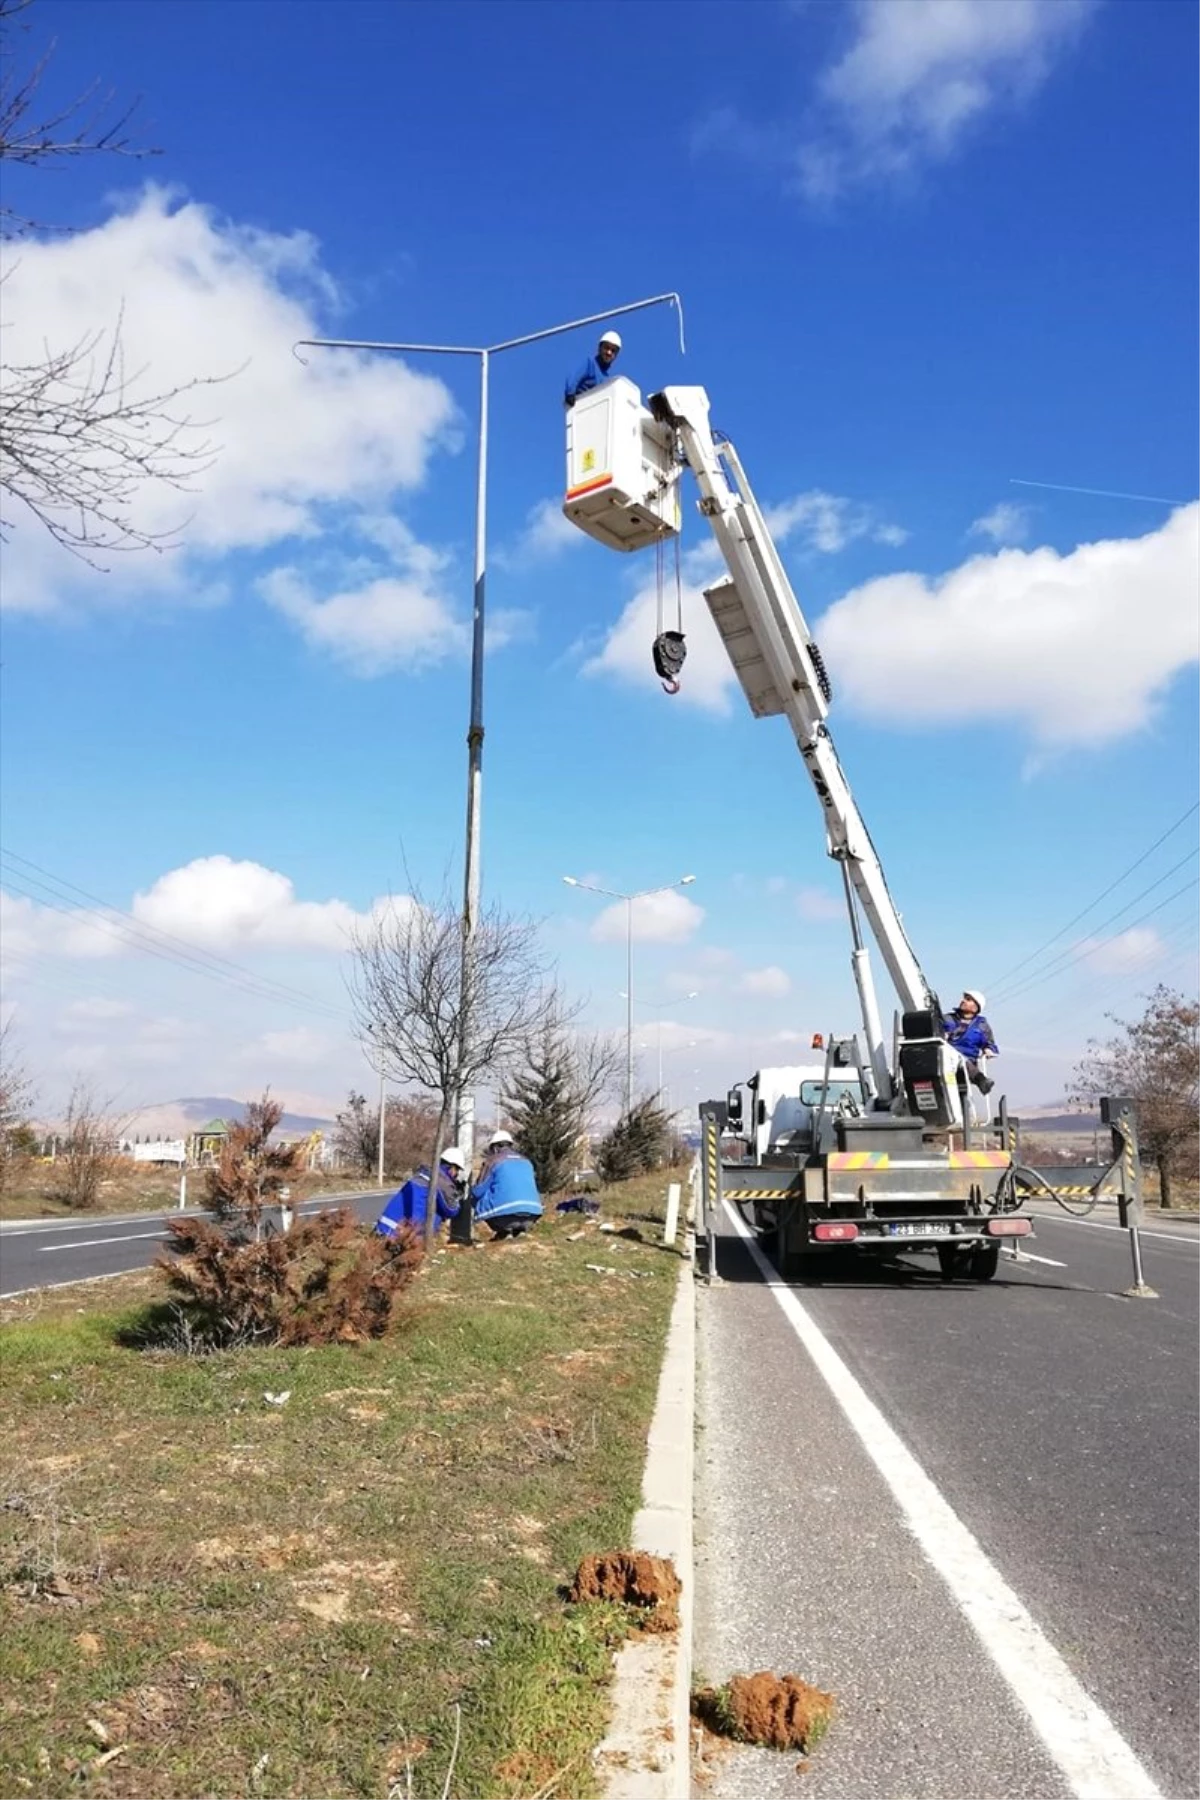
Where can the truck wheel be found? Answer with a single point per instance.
(950, 1261)
(795, 1265)
(985, 1260)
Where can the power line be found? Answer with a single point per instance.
(135, 925)
(1060, 487)
(999, 980)
(124, 929)
(1068, 959)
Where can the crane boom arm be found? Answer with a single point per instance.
(771, 648)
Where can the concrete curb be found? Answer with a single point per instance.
(646, 1752)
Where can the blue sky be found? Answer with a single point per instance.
(926, 249)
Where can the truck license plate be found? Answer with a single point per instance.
(900, 1228)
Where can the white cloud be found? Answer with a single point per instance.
(813, 521)
(96, 1011)
(706, 679)
(817, 906)
(386, 624)
(919, 73)
(299, 1045)
(828, 522)
(666, 918)
(1130, 950)
(213, 902)
(222, 904)
(1007, 523)
(1074, 649)
(771, 983)
(301, 449)
(547, 532)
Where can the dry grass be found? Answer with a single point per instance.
(243, 1597)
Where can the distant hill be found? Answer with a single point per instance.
(176, 1118)
(1047, 1118)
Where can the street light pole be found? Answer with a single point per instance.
(472, 871)
(628, 995)
(644, 894)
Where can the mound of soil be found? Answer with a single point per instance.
(647, 1582)
(779, 1712)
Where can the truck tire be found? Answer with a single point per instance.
(984, 1261)
(795, 1265)
(950, 1261)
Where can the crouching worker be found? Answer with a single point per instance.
(967, 1031)
(409, 1204)
(506, 1196)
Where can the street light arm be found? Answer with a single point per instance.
(406, 349)
(531, 337)
(614, 312)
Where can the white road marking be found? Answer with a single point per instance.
(1170, 1237)
(1094, 1758)
(48, 1287)
(90, 1243)
(1029, 1256)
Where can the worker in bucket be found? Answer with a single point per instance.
(595, 370)
(506, 1195)
(408, 1205)
(967, 1031)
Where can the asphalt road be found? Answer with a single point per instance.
(1056, 1417)
(48, 1253)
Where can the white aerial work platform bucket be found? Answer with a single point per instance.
(622, 477)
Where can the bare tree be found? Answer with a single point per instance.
(1155, 1062)
(87, 1148)
(16, 1099)
(82, 435)
(408, 1131)
(410, 990)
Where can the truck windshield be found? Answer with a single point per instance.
(811, 1092)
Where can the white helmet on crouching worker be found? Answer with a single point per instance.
(454, 1158)
(499, 1138)
(610, 340)
(975, 995)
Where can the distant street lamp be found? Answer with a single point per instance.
(694, 995)
(644, 894)
(472, 881)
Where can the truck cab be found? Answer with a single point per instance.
(783, 1112)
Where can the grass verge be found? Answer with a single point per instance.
(311, 1598)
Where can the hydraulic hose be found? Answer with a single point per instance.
(1017, 1175)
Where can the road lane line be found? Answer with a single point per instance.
(1029, 1256)
(1094, 1758)
(90, 1243)
(1170, 1237)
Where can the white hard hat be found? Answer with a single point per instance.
(454, 1157)
(500, 1137)
(611, 337)
(975, 995)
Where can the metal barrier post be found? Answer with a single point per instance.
(1121, 1115)
(710, 1191)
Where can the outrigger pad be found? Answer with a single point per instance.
(670, 653)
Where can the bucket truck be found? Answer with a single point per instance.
(884, 1150)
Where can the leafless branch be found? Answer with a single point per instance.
(88, 125)
(79, 441)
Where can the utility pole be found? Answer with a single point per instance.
(472, 872)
